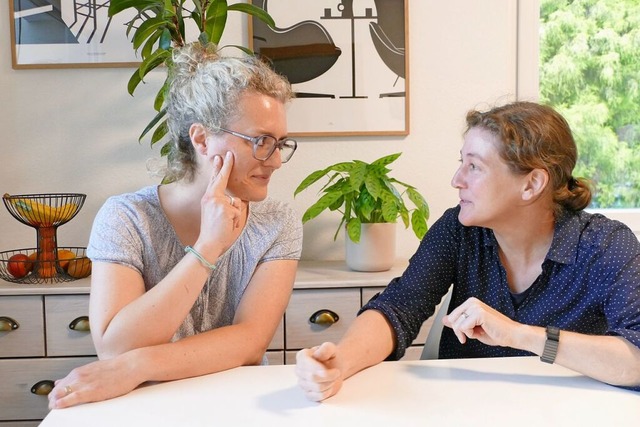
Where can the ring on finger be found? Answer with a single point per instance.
(464, 314)
(67, 390)
(231, 200)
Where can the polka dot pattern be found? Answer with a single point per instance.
(590, 283)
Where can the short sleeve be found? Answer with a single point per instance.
(288, 242)
(113, 237)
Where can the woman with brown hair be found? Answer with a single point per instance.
(532, 273)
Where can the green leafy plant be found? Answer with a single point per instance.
(160, 25)
(365, 193)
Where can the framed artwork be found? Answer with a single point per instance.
(68, 34)
(347, 61)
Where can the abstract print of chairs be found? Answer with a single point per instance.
(300, 52)
(388, 37)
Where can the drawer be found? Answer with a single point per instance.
(300, 332)
(368, 293)
(23, 317)
(61, 311)
(290, 357)
(277, 343)
(17, 401)
(274, 358)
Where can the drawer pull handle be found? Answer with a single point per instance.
(7, 324)
(80, 324)
(42, 388)
(324, 317)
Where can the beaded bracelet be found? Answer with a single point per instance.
(200, 258)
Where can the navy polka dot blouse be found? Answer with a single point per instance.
(590, 283)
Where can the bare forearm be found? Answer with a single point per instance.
(154, 316)
(213, 351)
(610, 359)
(368, 341)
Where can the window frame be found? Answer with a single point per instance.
(528, 86)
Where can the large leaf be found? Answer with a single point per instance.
(148, 28)
(150, 45)
(254, 11)
(404, 214)
(389, 210)
(160, 132)
(216, 20)
(165, 39)
(419, 224)
(334, 179)
(354, 228)
(152, 62)
(365, 205)
(337, 204)
(418, 200)
(152, 124)
(323, 203)
(389, 186)
(341, 167)
(384, 161)
(159, 101)
(134, 81)
(166, 149)
(374, 187)
(357, 174)
(310, 180)
(341, 187)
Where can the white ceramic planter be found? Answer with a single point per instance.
(376, 250)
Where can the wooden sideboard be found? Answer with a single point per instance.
(47, 332)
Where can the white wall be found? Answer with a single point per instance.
(76, 130)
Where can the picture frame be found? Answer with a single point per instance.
(68, 34)
(348, 63)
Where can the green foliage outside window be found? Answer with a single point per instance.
(590, 72)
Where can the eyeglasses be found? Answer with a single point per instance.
(265, 145)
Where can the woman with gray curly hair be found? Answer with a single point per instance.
(193, 276)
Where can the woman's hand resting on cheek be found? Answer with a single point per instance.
(220, 213)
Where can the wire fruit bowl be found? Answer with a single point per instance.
(45, 213)
(44, 210)
(23, 266)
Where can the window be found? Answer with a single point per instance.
(582, 57)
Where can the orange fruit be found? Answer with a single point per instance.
(33, 257)
(79, 267)
(19, 265)
(64, 256)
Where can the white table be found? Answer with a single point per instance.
(473, 392)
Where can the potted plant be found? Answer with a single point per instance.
(160, 25)
(369, 200)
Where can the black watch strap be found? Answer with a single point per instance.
(551, 345)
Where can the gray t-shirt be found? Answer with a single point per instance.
(132, 229)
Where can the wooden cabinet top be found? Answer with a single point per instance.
(311, 275)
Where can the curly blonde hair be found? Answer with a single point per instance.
(205, 87)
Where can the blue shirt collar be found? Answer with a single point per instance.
(564, 247)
